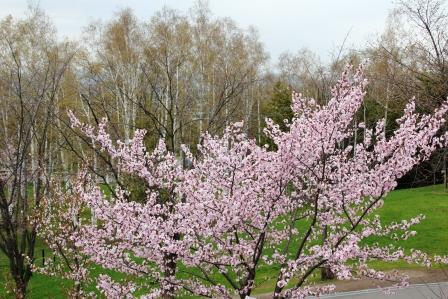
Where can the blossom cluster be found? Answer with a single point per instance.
(307, 204)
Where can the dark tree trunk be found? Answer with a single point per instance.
(326, 273)
(20, 288)
(170, 271)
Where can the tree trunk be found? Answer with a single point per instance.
(170, 271)
(20, 288)
(326, 273)
(246, 286)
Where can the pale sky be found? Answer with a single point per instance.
(283, 25)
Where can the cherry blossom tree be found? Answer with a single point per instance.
(59, 220)
(139, 239)
(234, 196)
(338, 186)
(308, 204)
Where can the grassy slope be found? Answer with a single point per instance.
(432, 201)
(432, 237)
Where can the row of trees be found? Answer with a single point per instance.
(175, 76)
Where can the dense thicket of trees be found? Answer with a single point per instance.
(33, 64)
(176, 75)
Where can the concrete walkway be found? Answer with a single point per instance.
(438, 290)
(425, 284)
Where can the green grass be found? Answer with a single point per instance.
(431, 201)
(432, 237)
(40, 286)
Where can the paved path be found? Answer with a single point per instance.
(425, 284)
(417, 291)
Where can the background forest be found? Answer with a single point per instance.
(179, 74)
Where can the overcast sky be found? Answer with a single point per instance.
(283, 25)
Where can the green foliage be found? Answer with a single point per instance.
(136, 187)
(278, 108)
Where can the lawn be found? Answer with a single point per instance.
(432, 237)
